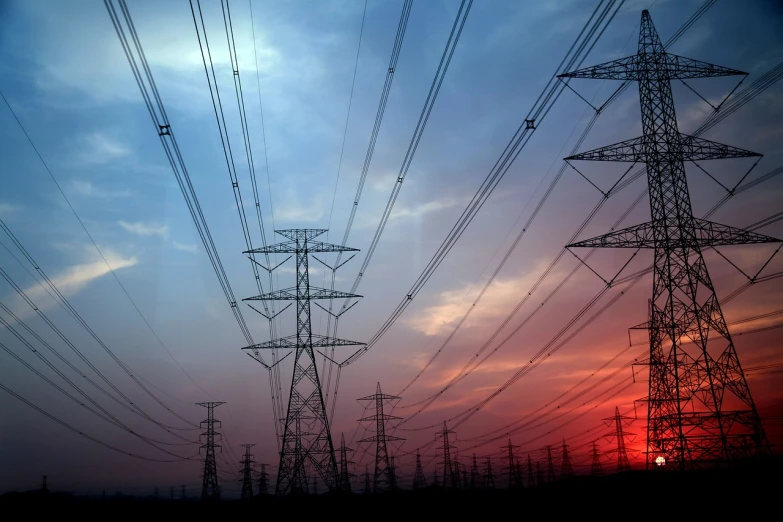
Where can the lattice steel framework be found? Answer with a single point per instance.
(513, 476)
(307, 440)
(566, 468)
(419, 480)
(450, 471)
(210, 489)
(619, 423)
(247, 472)
(345, 475)
(596, 470)
(700, 408)
(383, 479)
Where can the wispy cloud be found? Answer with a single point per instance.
(98, 148)
(7, 208)
(144, 229)
(85, 188)
(73, 279)
(192, 249)
(423, 209)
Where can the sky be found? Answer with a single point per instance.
(63, 72)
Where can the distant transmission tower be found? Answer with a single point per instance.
(450, 474)
(392, 474)
(306, 400)
(566, 468)
(531, 481)
(596, 470)
(367, 486)
(382, 479)
(263, 481)
(617, 421)
(489, 477)
(539, 473)
(247, 472)
(210, 489)
(345, 475)
(550, 465)
(512, 475)
(475, 478)
(700, 409)
(419, 481)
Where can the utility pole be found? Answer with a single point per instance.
(419, 481)
(210, 489)
(345, 475)
(382, 479)
(247, 472)
(566, 468)
(700, 409)
(596, 470)
(263, 481)
(489, 477)
(450, 474)
(306, 398)
(619, 434)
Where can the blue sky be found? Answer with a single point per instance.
(63, 72)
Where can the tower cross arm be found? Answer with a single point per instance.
(682, 68)
(620, 69)
(388, 438)
(635, 150)
(293, 247)
(290, 294)
(705, 234)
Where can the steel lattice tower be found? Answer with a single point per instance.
(531, 481)
(263, 481)
(382, 479)
(474, 474)
(450, 474)
(566, 468)
(419, 480)
(489, 477)
(210, 489)
(512, 475)
(699, 405)
(539, 473)
(550, 465)
(367, 489)
(247, 472)
(306, 405)
(345, 475)
(596, 470)
(617, 421)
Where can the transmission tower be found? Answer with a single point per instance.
(435, 478)
(539, 473)
(419, 481)
(306, 399)
(247, 472)
(566, 469)
(210, 489)
(450, 473)
(263, 481)
(518, 472)
(700, 408)
(617, 421)
(512, 475)
(345, 475)
(475, 478)
(596, 470)
(550, 465)
(465, 482)
(489, 477)
(531, 481)
(382, 479)
(367, 487)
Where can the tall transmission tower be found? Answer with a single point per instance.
(306, 399)
(550, 465)
(345, 475)
(596, 470)
(531, 480)
(489, 477)
(419, 481)
(382, 479)
(210, 489)
(475, 478)
(566, 468)
(700, 409)
(450, 474)
(263, 481)
(512, 475)
(618, 422)
(247, 472)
